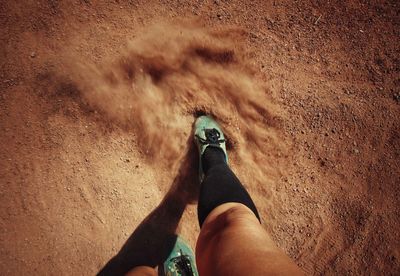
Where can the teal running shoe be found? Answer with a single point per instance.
(181, 260)
(207, 133)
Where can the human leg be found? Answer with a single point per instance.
(232, 240)
(220, 185)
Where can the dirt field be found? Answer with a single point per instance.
(96, 106)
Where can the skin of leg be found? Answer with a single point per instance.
(233, 242)
(142, 271)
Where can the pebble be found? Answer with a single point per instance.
(33, 54)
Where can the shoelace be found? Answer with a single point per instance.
(212, 137)
(183, 265)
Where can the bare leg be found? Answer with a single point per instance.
(233, 242)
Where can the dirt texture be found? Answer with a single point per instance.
(96, 108)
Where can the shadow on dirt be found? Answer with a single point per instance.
(152, 241)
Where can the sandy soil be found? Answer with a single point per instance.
(307, 91)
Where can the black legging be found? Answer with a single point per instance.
(220, 185)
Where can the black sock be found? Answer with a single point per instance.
(220, 185)
(212, 156)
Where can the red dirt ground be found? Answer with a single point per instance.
(75, 184)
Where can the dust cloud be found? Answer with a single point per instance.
(174, 71)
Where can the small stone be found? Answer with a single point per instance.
(33, 54)
(396, 97)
